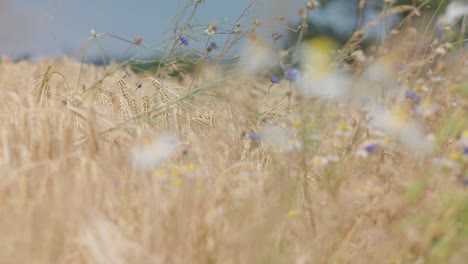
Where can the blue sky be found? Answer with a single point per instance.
(49, 28)
(55, 27)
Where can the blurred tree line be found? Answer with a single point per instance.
(348, 10)
(337, 19)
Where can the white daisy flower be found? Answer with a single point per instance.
(151, 152)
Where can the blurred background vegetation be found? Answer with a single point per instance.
(358, 17)
(320, 24)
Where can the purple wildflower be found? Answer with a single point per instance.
(371, 148)
(184, 40)
(254, 136)
(139, 85)
(414, 96)
(465, 150)
(292, 74)
(212, 46)
(274, 79)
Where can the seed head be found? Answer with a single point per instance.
(310, 6)
(276, 36)
(137, 41)
(211, 30)
(256, 23)
(362, 4)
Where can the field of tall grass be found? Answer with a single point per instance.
(315, 153)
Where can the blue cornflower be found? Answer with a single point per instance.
(274, 79)
(254, 136)
(212, 46)
(371, 148)
(292, 74)
(184, 40)
(414, 96)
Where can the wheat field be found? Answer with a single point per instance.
(227, 165)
